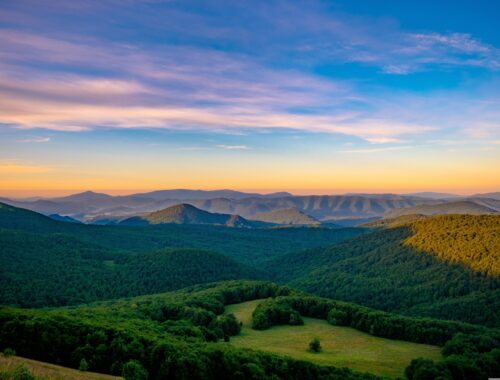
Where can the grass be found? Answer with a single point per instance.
(46, 371)
(341, 346)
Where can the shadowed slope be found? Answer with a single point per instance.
(444, 267)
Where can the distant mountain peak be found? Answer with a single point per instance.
(185, 213)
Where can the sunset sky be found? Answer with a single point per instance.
(308, 97)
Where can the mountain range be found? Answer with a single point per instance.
(277, 208)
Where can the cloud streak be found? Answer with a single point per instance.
(36, 139)
(72, 82)
(233, 147)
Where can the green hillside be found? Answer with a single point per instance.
(187, 335)
(55, 270)
(443, 267)
(465, 207)
(472, 241)
(250, 246)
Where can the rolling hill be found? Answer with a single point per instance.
(56, 270)
(44, 262)
(495, 195)
(187, 214)
(320, 207)
(456, 207)
(90, 206)
(290, 216)
(444, 267)
(247, 245)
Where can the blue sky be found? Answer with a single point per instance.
(304, 96)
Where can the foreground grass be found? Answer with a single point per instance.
(46, 371)
(342, 346)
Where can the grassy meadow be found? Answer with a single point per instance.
(342, 346)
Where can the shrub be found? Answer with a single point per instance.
(133, 370)
(315, 345)
(84, 366)
(9, 352)
(18, 373)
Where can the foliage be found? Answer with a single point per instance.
(9, 352)
(83, 366)
(18, 373)
(111, 334)
(249, 246)
(39, 270)
(424, 268)
(133, 370)
(473, 241)
(315, 345)
(169, 334)
(44, 262)
(272, 312)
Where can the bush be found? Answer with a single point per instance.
(18, 373)
(84, 366)
(9, 352)
(133, 370)
(315, 345)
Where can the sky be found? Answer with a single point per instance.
(311, 97)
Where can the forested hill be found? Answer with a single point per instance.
(250, 246)
(473, 241)
(57, 270)
(465, 207)
(444, 267)
(44, 262)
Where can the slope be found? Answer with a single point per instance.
(444, 267)
(55, 270)
(89, 205)
(10, 369)
(187, 214)
(251, 246)
(290, 216)
(458, 207)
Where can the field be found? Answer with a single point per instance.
(46, 371)
(342, 346)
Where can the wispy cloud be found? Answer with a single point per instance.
(76, 82)
(35, 139)
(233, 147)
(376, 150)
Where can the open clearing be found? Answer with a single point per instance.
(45, 371)
(342, 346)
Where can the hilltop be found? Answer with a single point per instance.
(456, 207)
(187, 214)
(444, 266)
(290, 216)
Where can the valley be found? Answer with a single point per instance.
(177, 283)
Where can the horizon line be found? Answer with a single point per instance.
(56, 193)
